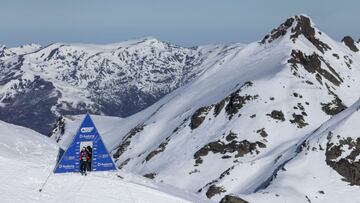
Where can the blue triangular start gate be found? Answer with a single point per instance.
(86, 136)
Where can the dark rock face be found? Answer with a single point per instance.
(299, 120)
(199, 116)
(232, 104)
(214, 190)
(231, 136)
(219, 107)
(347, 167)
(312, 64)
(349, 42)
(241, 148)
(334, 107)
(277, 115)
(304, 28)
(278, 32)
(262, 132)
(150, 175)
(232, 199)
(236, 102)
(301, 25)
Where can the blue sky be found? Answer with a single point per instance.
(185, 22)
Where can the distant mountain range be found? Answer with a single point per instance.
(38, 84)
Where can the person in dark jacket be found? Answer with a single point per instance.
(84, 158)
(89, 151)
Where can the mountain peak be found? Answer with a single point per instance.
(303, 26)
(299, 25)
(278, 32)
(2, 48)
(148, 40)
(4, 51)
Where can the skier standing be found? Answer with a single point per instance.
(84, 158)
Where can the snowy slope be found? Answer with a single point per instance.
(39, 84)
(225, 132)
(323, 167)
(26, 159)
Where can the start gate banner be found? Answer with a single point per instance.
(88, 138)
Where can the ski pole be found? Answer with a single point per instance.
(46, 180)
(43, 185)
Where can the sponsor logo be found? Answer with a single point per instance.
(67, 166)
(86, 129)
(105, 164)
(87, 136)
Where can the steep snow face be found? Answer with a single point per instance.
(120, 79)
(323, 167)
(226, 131)
(27, 157)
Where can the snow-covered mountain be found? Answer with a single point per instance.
(229, 131)
(37, 84)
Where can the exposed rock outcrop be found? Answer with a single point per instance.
(232, 199)
(199, 116)
(241, 148)
(312, 64)
(214, 190)
(277, 115)
(347, 166)
(349, 42)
